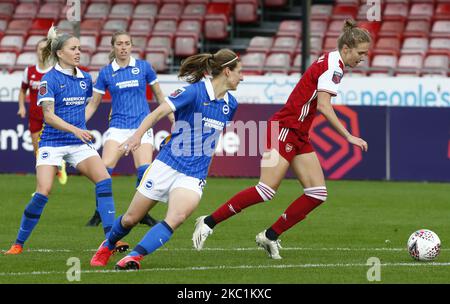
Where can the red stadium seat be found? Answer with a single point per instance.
(159, 59)
(318, 27)
(315, 44)
(417, 28)
(99, 60)
(26, 10)
(392, 29)
(290, 27)
(297, 62)
(246, 11)
(191, 26)
(194, 9)
(260, 44)
(162, 41)
(6, 10)
(18, 26)
(277, 63)
(441, 29)
(171, 9)
(7, 60)
(285, 43)
(439, 46)
(330, 43)
(395, 11)
(335, 27)
(373, 27)
(105, 44)
(65, 26)
(216, 27)
(145, 10)
(97, 10)
(409, 64)
(139, 42)
(186, 44)
(436, 64)
(50, 10)
(442, 11)
(114, 25)
(253, 63)
(141, 26)
(384, 63)
(166, 25)
(12, 43)
(321, 11)
(341, 12)
(275, 3)
(25, 59)
(91, 26)
(387, 45)
(122, 10)
(41, 26)
(88, 43)
(415, 45)
(422, 11)
(32, 41)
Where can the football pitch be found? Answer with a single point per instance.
(361, 221)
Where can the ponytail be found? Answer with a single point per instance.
(55, 42)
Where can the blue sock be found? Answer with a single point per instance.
(110, 171)
(140, 173)
(103, 194)
(117, 233)
(31, 217)
(155, 238)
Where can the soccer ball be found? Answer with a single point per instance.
(424, 245)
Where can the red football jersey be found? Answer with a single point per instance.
(324, 74)
(32, 76)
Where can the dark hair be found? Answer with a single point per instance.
(352, 35)
(55, 42)
(112, 55)
(195, 67)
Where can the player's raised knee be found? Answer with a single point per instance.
(266, 192)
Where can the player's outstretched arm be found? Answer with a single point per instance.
(22, 110)
(48, 108)
(132, 143)
(324, 106)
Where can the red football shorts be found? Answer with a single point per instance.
(35, 124)
(287, 142)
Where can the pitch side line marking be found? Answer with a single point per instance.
(208, 268)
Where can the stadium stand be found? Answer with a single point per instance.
(266, 33)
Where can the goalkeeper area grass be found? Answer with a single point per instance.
(358, 235)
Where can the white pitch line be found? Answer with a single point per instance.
(222, 267)
(44, 250)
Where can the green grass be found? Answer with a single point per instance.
(360, 220)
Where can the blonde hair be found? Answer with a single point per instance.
(194, 68)
(352, 35)
(112, 54)
(55, 42)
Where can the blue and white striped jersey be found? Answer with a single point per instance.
(200, 119)
(127, 87)
(70, 95)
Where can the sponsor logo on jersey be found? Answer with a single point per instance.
(337, 76)
(177, 92)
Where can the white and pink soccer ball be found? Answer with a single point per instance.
(424, 245)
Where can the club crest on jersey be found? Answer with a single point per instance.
(226, 109)
(288, 147)
(135, 71)
(43, 88)
(177, 92)
(148, 184)
(45, 155)
(337, 76)
(83, 85)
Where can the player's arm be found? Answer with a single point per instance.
(92, 106)
(22, 110)
(48, 108)
(159, 96)
(132, 143)
(324, 106)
